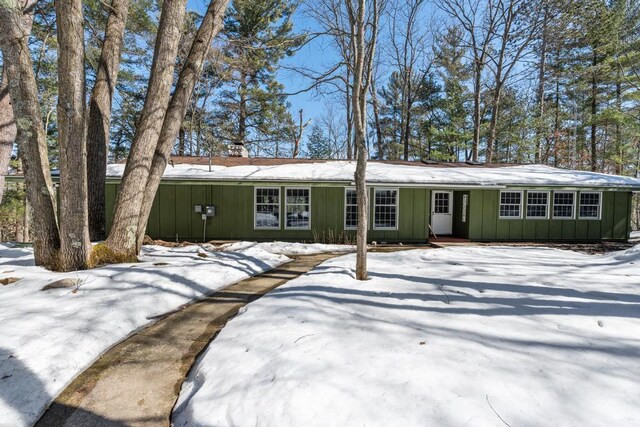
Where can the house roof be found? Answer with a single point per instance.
(381, 172)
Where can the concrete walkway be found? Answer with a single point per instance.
(137, 382)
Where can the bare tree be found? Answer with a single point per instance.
(332, 19)
(375, 107)
(30, 136)
(518, 24)
(407, 49)
(363, 18)
(333, 121)
(296, 132)
(99, 119)
(479, 21)
(542, 72)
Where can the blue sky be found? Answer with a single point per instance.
(316, 55)
(319, 56)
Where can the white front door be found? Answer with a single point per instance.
(442, 212)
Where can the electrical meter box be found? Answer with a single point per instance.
(210, 210)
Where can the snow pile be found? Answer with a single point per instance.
(288, 248)
(460, 336)
(379, 172)
(48, 337)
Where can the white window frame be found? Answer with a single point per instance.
(579, 204)
(286, 204)
(521, 204)
(347, 189)
(548, 193)
(397, 206)
(573, 210)
(255, 208)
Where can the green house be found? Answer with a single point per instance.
(230, 198)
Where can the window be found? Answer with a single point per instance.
(385, 214)
(298, 208)
(511, 204)
(350, 209)
(563, 204)
(537, 204)
(267, 211)
(441, 203)
(590, 205)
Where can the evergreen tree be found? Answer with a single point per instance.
(318, 144)
(453, 135)
(259, 34)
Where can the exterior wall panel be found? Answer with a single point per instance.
(173, 216)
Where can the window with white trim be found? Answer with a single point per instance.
(442, 202)
(385, 210)
(511, 204)
(298, 208)
(350, 209)
(564, 204)
(267, 208)
(590, 205)
(537, 204)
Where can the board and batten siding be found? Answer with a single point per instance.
(173, 218)
(485, 224)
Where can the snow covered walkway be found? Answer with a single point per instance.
(156, 360)
(49, 337)
(480, 336)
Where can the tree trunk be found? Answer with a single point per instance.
(542, 68)
(99, 119)
(181, 141)
(361, 79)
(122, 238)
(493, 124)
(476, 112)
(26, 222)
(242, 112)
(619, 154)
(594, 110)
(75, 245)
(556, 126)
(407, 125)
(209, 28)
(349, 119)
(7, 129)
(376, 121)
(30, 136)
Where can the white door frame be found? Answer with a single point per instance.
(442, 221)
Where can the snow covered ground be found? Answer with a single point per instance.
(461, 336)
(48, 337)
